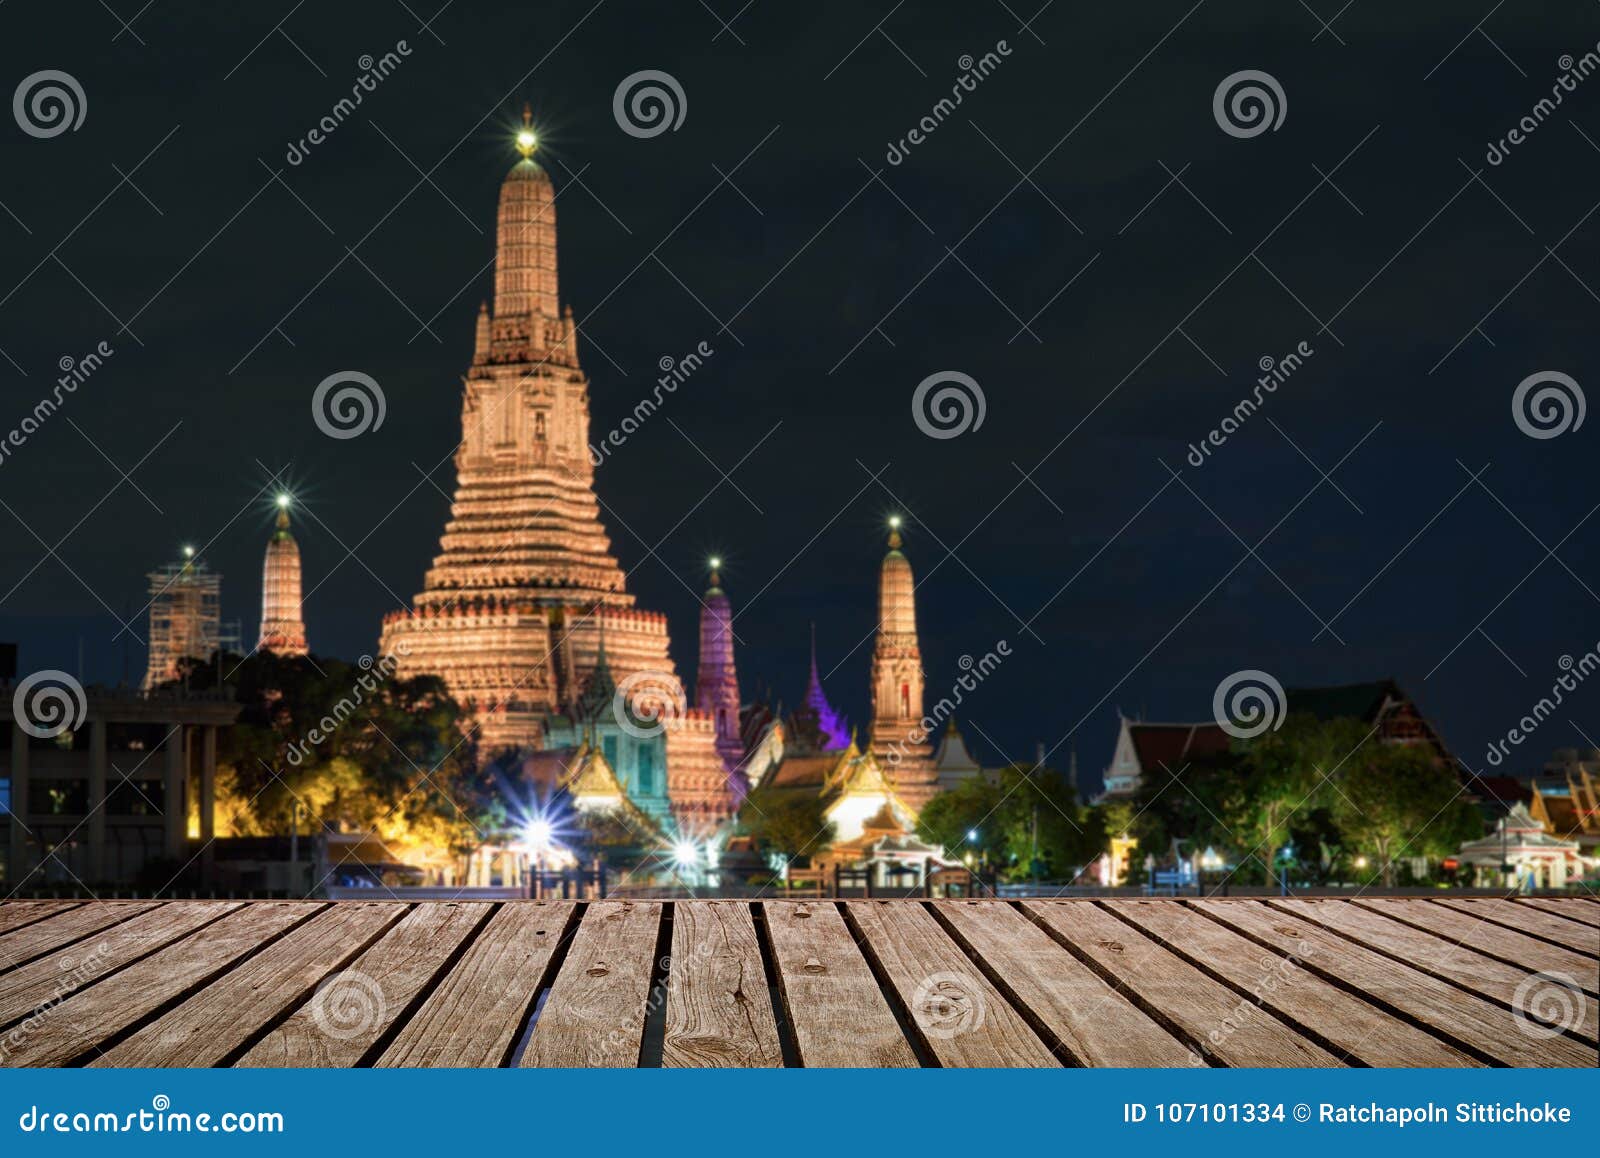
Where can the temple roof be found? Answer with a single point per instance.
(952, 754)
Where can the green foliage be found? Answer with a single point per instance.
(348, 744)
(1329, 790)
(789, 824)
(1028, 823)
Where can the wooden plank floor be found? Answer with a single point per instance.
(695, 984)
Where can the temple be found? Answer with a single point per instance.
(898, 739)
(512, 611)
(283, 631)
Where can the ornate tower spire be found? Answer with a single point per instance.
(282, 629)
(831, 731)
(717, 682)
(525, 261)
(898, 740)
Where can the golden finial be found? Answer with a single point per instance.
(716, 569)
(527, 140)
(894, 532)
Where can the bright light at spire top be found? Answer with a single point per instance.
(716, 563)
(283, 501)
(527, 139)
(894, 522)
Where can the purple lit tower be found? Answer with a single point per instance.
(717, 682)
(817, 725)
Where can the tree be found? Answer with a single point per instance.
(1028, 822)
(1280, 777)
(1398, 800)
(789, 824)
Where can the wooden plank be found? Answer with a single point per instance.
(224, 1015)
(596, 1010)
(472, 1018)
(1528, 920)
(15, 914)
(1492, 940)
(1468, 1021)
(1225, 1026)
(63, 928)
(1568, 908)
(46, 981)
(84, 1022)
(355, 1007)
(1440, 956)
(831, 1001)
(1095, 1024)
(1351, 1027)
(719, 1014)
(963, 1020)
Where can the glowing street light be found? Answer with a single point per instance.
(539, 833)
(686, 854)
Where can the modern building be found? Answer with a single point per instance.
(124, 791)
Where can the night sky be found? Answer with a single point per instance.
(1368, 225)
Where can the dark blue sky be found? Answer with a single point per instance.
(840, 294)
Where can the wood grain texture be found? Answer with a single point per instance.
(356, 1006)
(1471, 929)
(1354, 1029)
(719, 1013)
(1530, 921)
(83, 1024)
(596, 1011)
(1225, 1026)
(225, 1015)
(963, 1020)
(15, 914)
(831, 1001)
(1095, 1024)
(1570, 909)
(1441, 1007)
(472, 1018)
(53, 978)
(23, 944)
(1432, 953)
